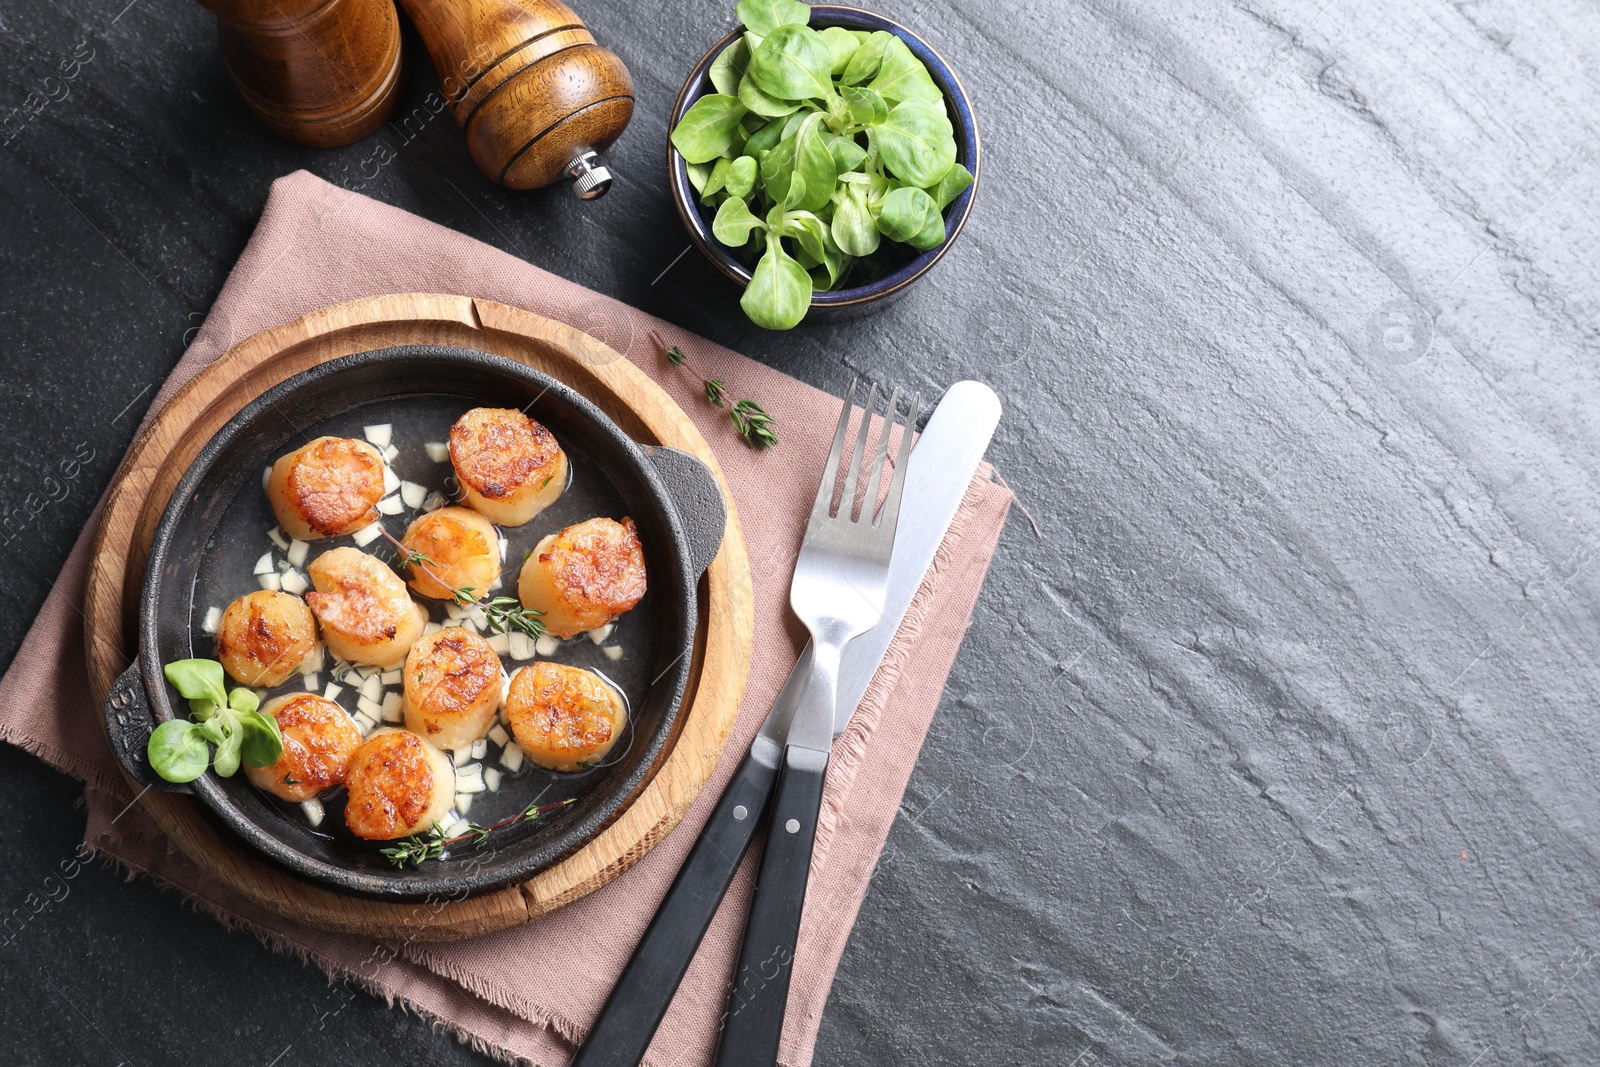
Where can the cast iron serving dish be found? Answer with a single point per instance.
(215, 528)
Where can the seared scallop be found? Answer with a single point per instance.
(319, 740)
(263, 637)
(510, 467)
(565, 718)
(452, 686)
(463, 552)
(366, 614)
(398, 785)
(326, 488)
(584, 576)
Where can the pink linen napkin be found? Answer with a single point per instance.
(508, 993)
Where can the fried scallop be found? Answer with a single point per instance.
(264, 636)
(366, 614)
(319, 740)
(452, 687)
(463, 551)
(510, 468)
(565, 718)
(584, 576)
(326, 488)
(398, 785)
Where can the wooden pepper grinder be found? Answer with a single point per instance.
(537, 97)
(322, 73)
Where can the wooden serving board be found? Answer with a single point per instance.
(164, 451)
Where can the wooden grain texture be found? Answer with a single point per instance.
(526, 81)
(322, 73)
(163, 452)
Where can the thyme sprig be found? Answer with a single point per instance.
(754, 424)
(503, 614)
(750, 420)
(417, 849)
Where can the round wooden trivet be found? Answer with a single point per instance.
(164, 451)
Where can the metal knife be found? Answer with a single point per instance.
(941, 466)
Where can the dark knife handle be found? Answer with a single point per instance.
(622, 1032)
(761, 984)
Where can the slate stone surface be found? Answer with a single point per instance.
(1277, 746)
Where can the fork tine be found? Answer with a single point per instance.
(830, 470)
(847, 503)
(891, 506)
(869, 502)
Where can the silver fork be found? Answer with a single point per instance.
(842, 575)
(840, 584)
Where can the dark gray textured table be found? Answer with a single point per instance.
(1278, 746)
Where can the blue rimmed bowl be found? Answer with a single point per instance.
(838, 303)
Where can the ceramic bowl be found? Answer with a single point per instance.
(839, 303)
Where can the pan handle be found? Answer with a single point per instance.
(129, 724)
(696, 497)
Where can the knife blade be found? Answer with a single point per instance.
(942, 463)
(940, 467)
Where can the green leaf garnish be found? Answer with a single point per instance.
(179, 750)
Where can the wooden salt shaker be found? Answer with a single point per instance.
(537, 97)
(322, 73)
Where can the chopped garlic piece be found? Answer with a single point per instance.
(413, 494)
(480, 748)
(498, 735)
(313, 811)
(389, 505)
(501, 643)
(275, 535)
(297, 552)
(547, 645)
(599, 636)
(370, 708)
(391, 677)
(380, 434)
(372, 688)
(393, 708)
(434, 502)
(389, 454)
(293, 582)
(264, 565)
(519, 645)
(270, 581)
(313, 661)
(367, 534)
(463, 802)
(437, 451)
(332, 692)
(391, 481)
(213, 617)
(461, 757)
(511, 759)
(313, 683)
(613, 652)
(505, 545)
(491, 779)
(431, 628)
